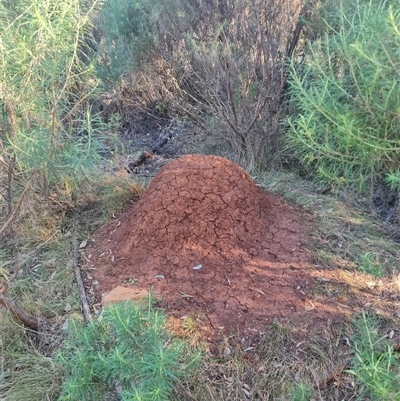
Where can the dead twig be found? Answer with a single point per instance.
(20, 314)
(165, 136)
(81, 288)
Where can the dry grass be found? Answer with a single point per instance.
(271, 370)
(27, 373)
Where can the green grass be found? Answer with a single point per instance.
(301, 392)
(375, 366)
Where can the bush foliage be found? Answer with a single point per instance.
(125, 37)
(47, 82)
(220, 63)
(127, 351)
(347, 97)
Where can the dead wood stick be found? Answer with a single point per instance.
(20, 314)
(17, 312)
(140, 160)
(160, 142)
(81, 288)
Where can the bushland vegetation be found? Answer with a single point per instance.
(309, 86)
(223, 64)
(49, 136)
(345, 93)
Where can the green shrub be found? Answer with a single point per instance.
(126, 37)
(346, 95)
(301, 392)
(47, 83)
(127, 351)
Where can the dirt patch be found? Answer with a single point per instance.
(209, 243)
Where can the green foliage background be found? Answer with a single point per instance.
(47, 81)
(347, 97)
(125, 37)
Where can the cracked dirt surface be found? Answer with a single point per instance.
(209, 243)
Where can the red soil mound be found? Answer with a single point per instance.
(205, 210)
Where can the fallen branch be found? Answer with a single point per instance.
(164, 137)
(81, 288)
(18, 313)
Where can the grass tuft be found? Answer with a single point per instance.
(342, 236)
(376, 367)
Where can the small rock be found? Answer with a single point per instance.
(120, 293)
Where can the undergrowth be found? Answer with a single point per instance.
(345, 127)
(375, 366)
(126, 352)
(27, 371)
(46, 284)
(345, 234)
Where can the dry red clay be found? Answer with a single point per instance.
(205, 210)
